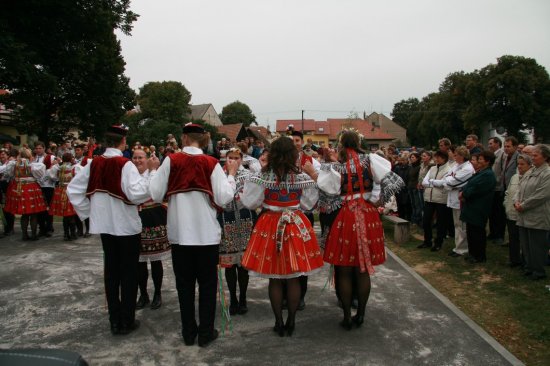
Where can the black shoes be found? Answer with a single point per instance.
(129, 328)
(205, 341)
(142, 302)
(301, 305)
(157, 302)
(279, 328)
(233, 308)
(243, 309)
(346, 324)
(436, 248)
(289, 328)
(454, 254)
(358, 320)
(189, 340)
(115, 329)
(424, 245)
(473, 260)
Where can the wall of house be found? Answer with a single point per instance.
(12, 131)
(211, 117)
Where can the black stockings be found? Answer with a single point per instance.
(345, 277)
(233, 275)
(25, 219)
(293, 299)
(157, 272)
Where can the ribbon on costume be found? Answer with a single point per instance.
(288, 217)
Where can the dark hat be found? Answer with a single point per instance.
(297, 133)
(121, 130)
(193, 128)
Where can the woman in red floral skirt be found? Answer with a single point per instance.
(24, 196)
(355, 243)
(61, 206)
(282, 245)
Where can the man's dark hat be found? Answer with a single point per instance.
(193, 128)
(297, 133)
(121, 130)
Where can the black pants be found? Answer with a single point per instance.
(477, 241)
(192, 264)
(514, 249)
(121, 276)
(441, 211)
(497, 218)
(45, 220)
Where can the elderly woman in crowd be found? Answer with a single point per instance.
(435, 202)
(524, 163)
(477, 197)
(532, 202)
(457, 178)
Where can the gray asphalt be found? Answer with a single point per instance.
(51, 296)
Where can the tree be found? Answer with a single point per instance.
(62, 64)
(166, 100)
(237, 112)
(514, 94)
(163, 108)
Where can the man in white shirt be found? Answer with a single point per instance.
(196, 186)
(108, 190)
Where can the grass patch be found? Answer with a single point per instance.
(511, 308)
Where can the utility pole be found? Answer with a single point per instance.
(302, 121)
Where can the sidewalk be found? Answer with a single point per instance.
(51, 296)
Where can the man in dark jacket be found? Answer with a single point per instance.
(477, 197)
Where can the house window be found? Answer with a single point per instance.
(321, 129)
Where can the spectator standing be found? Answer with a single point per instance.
(435, 203)
(458, 177)
(471, 144)
(477, 197)
(532, 202)
(497, 219)
(415, 195)
(524, 164)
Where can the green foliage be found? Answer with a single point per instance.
(237, 112)
(514, 94)
(166, 100)
(61, 62)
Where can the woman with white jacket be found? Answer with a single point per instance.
(435, 202)
(457, 178)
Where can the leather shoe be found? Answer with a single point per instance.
(115, 329)
(435, 248)
(203, 342)
(454, 254)
(127, 329)
(142, 302)
(243, 309)
(233, 308)
(358, 320)
(279, 328)
(346, 324)
(424, 245)
(301, 305)
(157, 302)
(189, 340)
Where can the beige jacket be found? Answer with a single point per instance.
(534, 195)
(432, 193)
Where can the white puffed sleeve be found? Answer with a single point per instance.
(329, 181)
(253, 195)
(309, 198)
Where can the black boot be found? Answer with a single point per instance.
(157, 301)
(142, 301)
(72, 228)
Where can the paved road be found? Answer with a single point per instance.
(51, 296)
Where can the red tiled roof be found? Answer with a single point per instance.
(333, 126)
(282, 124)
(231, 131)
(369, 131)
(260, 130)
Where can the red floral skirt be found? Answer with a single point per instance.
(282, 245)
(60, 205)
(356, 237)
(24, 198)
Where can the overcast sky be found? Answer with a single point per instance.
(327, 57)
